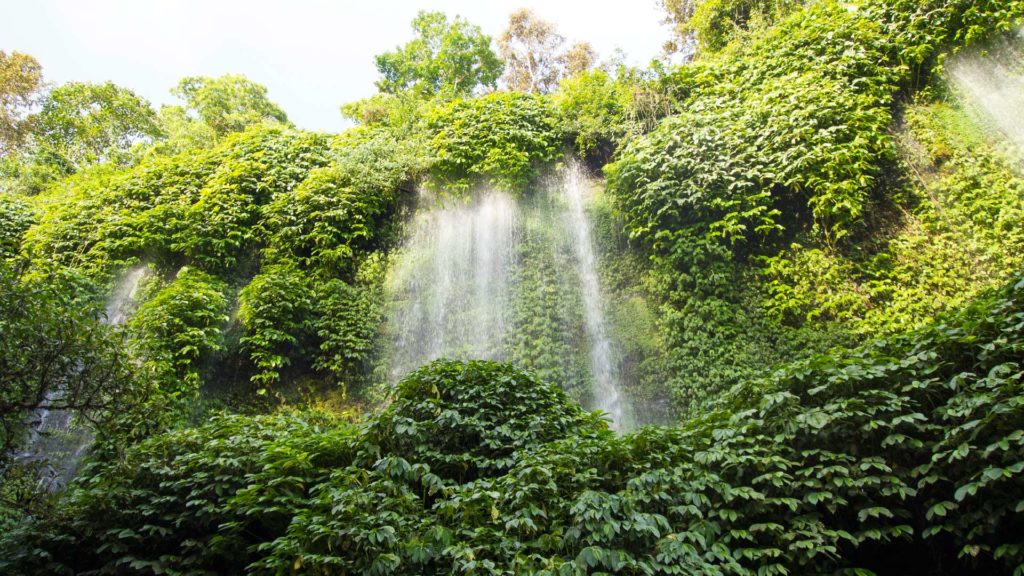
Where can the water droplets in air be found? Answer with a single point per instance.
(509, 278)
(603, 367)
(992, 80)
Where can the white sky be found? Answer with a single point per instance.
(313, 55)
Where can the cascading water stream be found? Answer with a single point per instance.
(451, 284)
(507, 278)
(607, 394)
(55, 440)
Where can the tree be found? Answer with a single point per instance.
(579, 58)
(712, 23)
(55, 354)
(82, 123)
(451, 58)
(227, 104)
(532, 51)
(21, 78)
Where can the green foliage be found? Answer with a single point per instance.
(379, 156)
(592, 106)
(716, 22)
(790, 125)
(755, 202)
(230, 103)
(331, 220)
(77, 125)
(446, 59)
(784, 139)
(347, 326)
(55, 353)
(963, 235)
(468, 420)
(179, 328)
(81, 124)
(546, 311)
(198, 205)
(921, 31)
(904, 455)
(285, 212)
(221, 484)
(183, 132)
(274, 310)
(502, 137)
(16, 217)
(402, 111)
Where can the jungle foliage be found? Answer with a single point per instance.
(903, 455)
(805, 185)
(783, 210)
(501, 137)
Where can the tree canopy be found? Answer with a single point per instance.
(447, 57)
(82, 123)
(21, 79)
(230, 103)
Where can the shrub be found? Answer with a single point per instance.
(501, 137)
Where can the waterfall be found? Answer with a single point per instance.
(509, 278)
(993, 82)
(123, 300)
(603, 368)
(451, 283)
(56, 442)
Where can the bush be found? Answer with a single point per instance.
(501, 137)
(16, 217)
(904, 455)
(178, 329)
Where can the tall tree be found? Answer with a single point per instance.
(450, 58)
(535, 60)
(531, 48)
(21, 78)
(228, 104)
(82, 123)
(711, 24)
(579, 58)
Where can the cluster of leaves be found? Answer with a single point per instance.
(905, 455)
(56, 353)
(230, 103)
(179, 328)
(600, 110)
(199, 206)
(81, 124)
(446, 59)
(712, 24)
(785, 139)
(502, 137)
(293, 316)
(16, 217)
(288, 216)
(51, 133)
(963, 235)
(546, 311)
(77, 124)
(790, 125)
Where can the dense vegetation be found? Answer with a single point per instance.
(898, 456)
(810, 243)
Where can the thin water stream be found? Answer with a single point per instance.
(56, 441)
